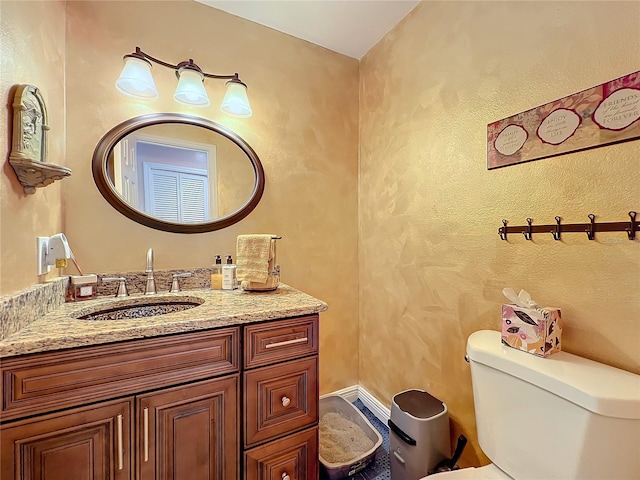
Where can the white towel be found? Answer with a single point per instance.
(253, 256)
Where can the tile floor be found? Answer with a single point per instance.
(379, 469)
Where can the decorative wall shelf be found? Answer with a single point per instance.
(557, 229)
(33, 175)
(28, 155)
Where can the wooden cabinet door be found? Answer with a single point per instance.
(89, 443)
(291, 458)
(189, 432)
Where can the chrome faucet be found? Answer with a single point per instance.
(151, 282)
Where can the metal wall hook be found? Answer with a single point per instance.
(528, 234)
(631, 231)
(556, 231)
(502, 231)
(591, 231)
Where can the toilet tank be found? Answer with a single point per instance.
(562, 417)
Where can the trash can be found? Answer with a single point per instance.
(418, 434)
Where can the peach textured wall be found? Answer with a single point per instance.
(304, 129)
(32, 42)
(431, 264)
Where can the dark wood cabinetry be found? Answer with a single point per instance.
(191, 425)
(167, 408)
(281, 399)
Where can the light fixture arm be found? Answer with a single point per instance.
(189, 64)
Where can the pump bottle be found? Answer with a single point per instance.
(229, 278)
(216, 274)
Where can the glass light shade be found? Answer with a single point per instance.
(235, 101)
(136, 80)
(190, 89)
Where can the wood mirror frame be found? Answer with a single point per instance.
(105, 146)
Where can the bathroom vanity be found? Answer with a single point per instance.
(226, 390)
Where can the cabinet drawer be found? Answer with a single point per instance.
(295, 456)
(271, 342)
(280, 399)
(66, 378)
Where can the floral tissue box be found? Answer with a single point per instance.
(531, 328)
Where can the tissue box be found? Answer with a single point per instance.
(534, 330)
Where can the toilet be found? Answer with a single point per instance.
(562, 417)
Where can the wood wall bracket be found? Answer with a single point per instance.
(631, 227)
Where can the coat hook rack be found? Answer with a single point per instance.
(631, 227)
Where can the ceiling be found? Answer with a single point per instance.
(350, 27)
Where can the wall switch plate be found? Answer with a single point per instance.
(43, 245)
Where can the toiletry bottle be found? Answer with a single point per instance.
(216, 274)
(234, 269)
(229, 279)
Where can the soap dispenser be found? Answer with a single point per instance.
(216, 274)
(229, 278)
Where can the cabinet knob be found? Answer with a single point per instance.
(285, 476)
(285, 403)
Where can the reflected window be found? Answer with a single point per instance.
(167, 178)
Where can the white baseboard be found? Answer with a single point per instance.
(349, 393)
(381, 412)
(355, 392)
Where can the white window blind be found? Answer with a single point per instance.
(193, 198)
(176, 196)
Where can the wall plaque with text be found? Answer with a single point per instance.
(608, 113)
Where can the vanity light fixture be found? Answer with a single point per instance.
(136, 81)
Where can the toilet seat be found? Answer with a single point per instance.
(488, 472)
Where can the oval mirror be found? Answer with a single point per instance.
(178, 173)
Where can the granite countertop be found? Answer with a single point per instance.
(60, 329)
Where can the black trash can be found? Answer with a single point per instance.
(418, 434)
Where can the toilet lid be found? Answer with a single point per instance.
(488, 472)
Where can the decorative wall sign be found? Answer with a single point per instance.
(608, 113)
(28, 155)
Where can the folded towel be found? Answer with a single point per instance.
(253, 254)
(271, 284)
